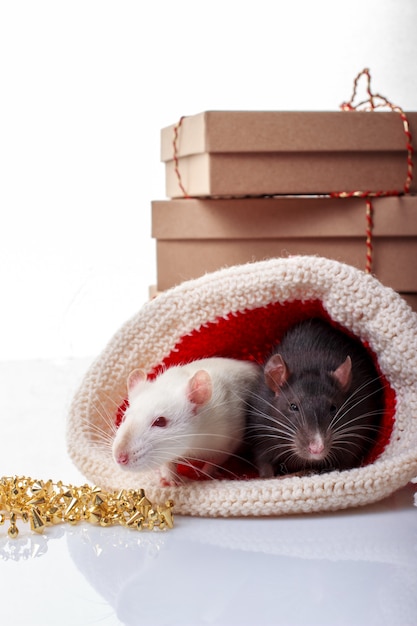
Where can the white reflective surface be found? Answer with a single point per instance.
(356, 567)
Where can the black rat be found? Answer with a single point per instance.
(317, 405)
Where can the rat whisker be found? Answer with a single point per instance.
(348, 406)
(107, 419)
(274, 416)
(355, 421)
(99, 434)
(217, 468)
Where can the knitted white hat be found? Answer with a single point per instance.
(241, 312)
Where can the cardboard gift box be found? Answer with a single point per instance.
(195, 236)
(239, 153)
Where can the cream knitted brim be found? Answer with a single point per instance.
(355, 300)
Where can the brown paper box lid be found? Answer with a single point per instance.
(288, 131)
(252, 218)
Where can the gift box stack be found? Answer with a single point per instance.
(245, 186)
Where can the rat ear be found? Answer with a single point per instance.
(343, 374)
(199, 388)
(135, 377)
(276, 372)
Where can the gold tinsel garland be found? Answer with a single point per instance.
(45, 503)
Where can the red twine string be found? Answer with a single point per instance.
(369, 231)
(175, 156)
(373, 102)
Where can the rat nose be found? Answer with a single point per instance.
(122, 458)
(316, 446)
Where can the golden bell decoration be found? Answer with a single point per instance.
(45, 503)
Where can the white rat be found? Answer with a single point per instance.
(192, 412)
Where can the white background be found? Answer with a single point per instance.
(86, 86)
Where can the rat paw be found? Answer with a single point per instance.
(169, 482)
(168, 477)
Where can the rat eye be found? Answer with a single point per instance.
(333, 409)
(293, 407)
(160, 422)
